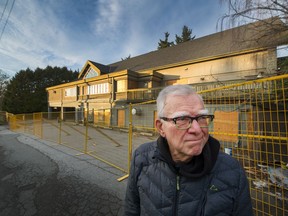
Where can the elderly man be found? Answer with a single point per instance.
(183, 172)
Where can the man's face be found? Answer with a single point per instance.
(183, 144)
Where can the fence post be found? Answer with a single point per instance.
(41, 125)
(24, 123)
(60, 128)
(86, 134)
(129, 143)
(130, 138)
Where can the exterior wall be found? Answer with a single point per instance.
(69, 94)
(224, 69)
(62, 98)
(94, 93)
(54, 97)
(121, 84)
(272, 61)
(145, 115)
(100, 103)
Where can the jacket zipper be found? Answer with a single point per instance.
(177, 194)
(177, 183)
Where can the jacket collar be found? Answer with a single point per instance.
(199, 165)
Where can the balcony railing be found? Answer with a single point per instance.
(136, 95)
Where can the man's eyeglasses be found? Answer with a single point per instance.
(185, 122)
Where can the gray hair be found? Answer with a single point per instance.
(173, 90)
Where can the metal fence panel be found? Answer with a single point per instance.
(251, 122)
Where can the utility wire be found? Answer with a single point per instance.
(7, 19)
(4, 10)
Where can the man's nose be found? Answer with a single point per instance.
(194, 126)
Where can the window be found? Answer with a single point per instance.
(102, 88)
(70, 92)
(91, 73)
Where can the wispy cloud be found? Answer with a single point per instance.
(108, 17)
(35, 37)
(69, 32)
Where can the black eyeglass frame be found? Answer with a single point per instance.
(190, 122)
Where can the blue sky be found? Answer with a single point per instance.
(70, 32)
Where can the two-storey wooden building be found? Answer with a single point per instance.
(233, 55)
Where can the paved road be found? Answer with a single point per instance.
(43, 178)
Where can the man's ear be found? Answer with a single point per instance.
(159, 127)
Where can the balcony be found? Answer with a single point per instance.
(138, 95)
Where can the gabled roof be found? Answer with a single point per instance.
(245, 38)
(100, 68)
(103, 68)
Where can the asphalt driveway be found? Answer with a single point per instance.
(43, 178)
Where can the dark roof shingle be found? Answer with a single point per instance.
(247, 37)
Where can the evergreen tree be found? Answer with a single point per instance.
(128, 57)
(165, 43)
(186, 35)
(3, 85)
(26, 91)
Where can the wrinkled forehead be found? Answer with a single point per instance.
(185, 113)
(184, 105)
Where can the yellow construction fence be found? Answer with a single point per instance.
(251, 123)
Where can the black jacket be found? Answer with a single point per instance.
(212, 184)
